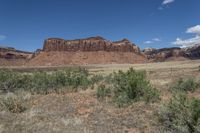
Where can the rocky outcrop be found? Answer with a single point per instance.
(175, 53)
(10, 56)
(11, 53)
(164, 54)
(89, 45)
(148, 52)
(192, 52)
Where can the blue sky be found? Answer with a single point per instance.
(24, 24)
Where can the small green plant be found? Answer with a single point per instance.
(185, 85)
(130, 86)
(96, 79)
(181, 114)
(103, 92)
(13, 104)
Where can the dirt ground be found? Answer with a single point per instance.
(82, 112)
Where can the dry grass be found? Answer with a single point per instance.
(83, 112)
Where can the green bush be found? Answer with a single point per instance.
(103, 92)
(181, 115)
(44, 82)
(131, 86)
(185, 85)
(96, 79)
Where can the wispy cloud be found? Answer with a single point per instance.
(2, 37)
(152, 41)
(148, 42)
(165, 2)
(156, 39)
(190, 41)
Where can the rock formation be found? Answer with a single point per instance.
(192, 52)
(169, 54)
(157, 55)
(93, 50)
(11, 53)
(11, 56)
(89, 45)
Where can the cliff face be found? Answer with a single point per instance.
(89, 45)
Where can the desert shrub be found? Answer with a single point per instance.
(181, 115)
(44, 82)
(79, 77)
(12, 103)
(96, 79)
(103, 92)
(131, 86)
(185, 85)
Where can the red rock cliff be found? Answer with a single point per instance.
(89, 44)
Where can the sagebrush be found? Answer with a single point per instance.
(181, 114)
(130, 86)
(103, 92)
(44, 82)
(185, 85)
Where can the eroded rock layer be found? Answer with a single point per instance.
(89, 44)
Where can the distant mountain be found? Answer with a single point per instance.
(93, 50)
(11, 56)
(174, 53)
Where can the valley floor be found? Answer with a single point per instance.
(82, 112)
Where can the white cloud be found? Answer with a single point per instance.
(194, 29)
(190, 41)
(156, 39)
(187, 42)
(148, 42)
(2, 37)
(165, 2)
(152, 41)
